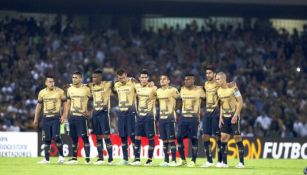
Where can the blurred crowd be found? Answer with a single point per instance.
(269, 65)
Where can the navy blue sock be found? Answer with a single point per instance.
(100, 148)
(109, 148)
(125, 147)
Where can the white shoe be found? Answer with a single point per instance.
(135, 163)
(71, 162)
(224, 165)
(99, 162)
(172, 164)
(218, 164)
(123, 162)
(240, 165)
(61, 160)
(207, 165)
(110, 163)
(44, 162)
(164, 164)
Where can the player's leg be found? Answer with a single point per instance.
(97, 131)
(56, 124)
(150, 134)
(218, 149)
(225, 136)
(139, 132)
(217, 134)
(122, 131)
(47, 141)
(131, 122)
(73, 133)
(83, 132)
(106, 130)
(238, 139)
(193, 128)
(171, 133)
(207, 132)
(182, 133)
(163, 137)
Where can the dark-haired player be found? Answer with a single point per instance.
(51, 99)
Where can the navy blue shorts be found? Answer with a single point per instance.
(101, 122)
(145, 126)
(188, 127)
(78, 126)
(229, 128)
(210, 123)
(167, 129)
(51, 127)
(126, 123)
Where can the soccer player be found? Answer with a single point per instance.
(125, 89)
(51, 99)
(191, 96)
(101, 91)
(231, 103)
(210, 123)
(167, 96)
(145, 122)
(78, 95)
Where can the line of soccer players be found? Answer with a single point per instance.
(137, 116)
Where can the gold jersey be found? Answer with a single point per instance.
(79, 97)
(191, 100)
(101, 95)
(126, 95)
(146, 99)
(167, 101)
(211, 95)
(227, 100)
(51, 100)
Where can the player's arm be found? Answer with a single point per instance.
(67, 106)
(203, 96)
(64, 103)
(38, 109)
(239, 99)
(90, 104)
(221, 122)
(37, 113)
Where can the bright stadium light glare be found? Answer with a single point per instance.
(298, 69)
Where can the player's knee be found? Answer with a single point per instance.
(138, 137)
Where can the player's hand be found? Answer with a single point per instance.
(234, 119)
(35, 122)
(86, 113)
(232, 84)
(62, 119)
(151, 84)
(221, 122)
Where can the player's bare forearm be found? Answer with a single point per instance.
(68, 103)
(239, 105)
(64, 114)
(37, 112)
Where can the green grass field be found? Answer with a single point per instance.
(28, 166)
